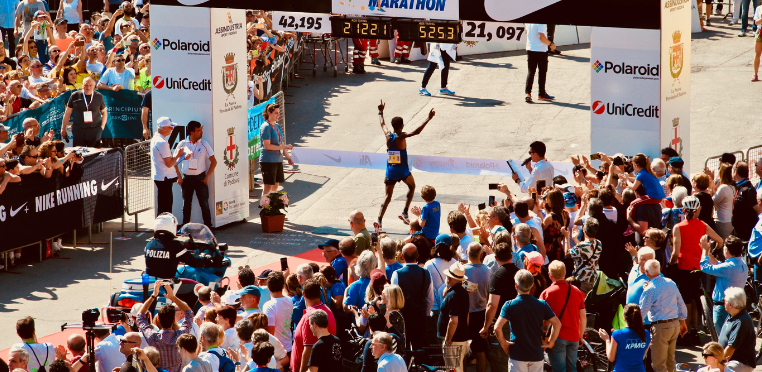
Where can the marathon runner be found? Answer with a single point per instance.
(397, 168)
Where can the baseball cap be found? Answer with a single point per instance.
(443, 239)
(264, 274)
(39, 13)
(4, 128)
(136, 309)
(60, 21)
(231, 298)
(164, 122)
(570, 200)
(676, 162)
(330, 243)
(250, 289)
(377, 278)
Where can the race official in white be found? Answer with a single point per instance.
(195, 172)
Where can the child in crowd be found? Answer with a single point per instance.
(651, 192)
(430, 214)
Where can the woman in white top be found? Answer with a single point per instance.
(723, 200)
(71, 11)
(443, 259)
(714, 357)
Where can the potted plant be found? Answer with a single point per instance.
(273, 214)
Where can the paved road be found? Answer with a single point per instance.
(487, 118)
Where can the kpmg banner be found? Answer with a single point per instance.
(91, 194)
(423, 163)
(624, 91)
(255, 122)
(229, 106)
(123, 115)
(430, 9)
(676, 80)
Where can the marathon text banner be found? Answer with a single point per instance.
(423, 163)
(123, 115)
(429, 9)
(39, 208)
(255, 122)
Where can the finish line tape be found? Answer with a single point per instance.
(422, 163)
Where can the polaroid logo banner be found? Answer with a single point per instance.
(431, 9)
(200, 47)
(625, 109)
(640, 72)
(182, 83)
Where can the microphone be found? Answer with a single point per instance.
(527, 160)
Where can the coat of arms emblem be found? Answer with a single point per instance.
(230, 74)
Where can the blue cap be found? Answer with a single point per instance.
(330, 243)
(443, 239)
(676, 162)
(250, 289)
(570, 200)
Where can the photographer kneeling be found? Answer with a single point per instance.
(164, 252)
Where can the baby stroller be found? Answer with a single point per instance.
(605, 298)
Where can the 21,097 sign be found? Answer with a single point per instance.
(302, 22)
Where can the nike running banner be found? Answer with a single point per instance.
(123, 115)
(39, 208)
(423, 163)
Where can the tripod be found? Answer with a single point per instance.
(89, 338)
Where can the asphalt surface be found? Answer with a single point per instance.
(486, 119)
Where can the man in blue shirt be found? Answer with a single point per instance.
(526, 315)
(731, 273)
(662, 305)
(381, 347)
(638, 275)
(738, 336)
(333, 256)
(755, 244)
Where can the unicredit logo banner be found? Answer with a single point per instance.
(160, 82)
(625, 109)
(625, 69)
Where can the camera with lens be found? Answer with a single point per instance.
(115, 315)
(89, 317)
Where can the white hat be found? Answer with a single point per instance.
(164, 122)
(4, 128)
(231, 298)
(457, 271)
(136, 309)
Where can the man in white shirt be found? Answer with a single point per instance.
(278, 310)
(107, 354)
(210, 334)
(40, 354)
(196, 174)
(540, 167)
(537, 58)
(118, 77)
(163, 169)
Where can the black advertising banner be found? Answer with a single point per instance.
(601, 13)
(38, 208)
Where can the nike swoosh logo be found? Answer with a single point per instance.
(15, 211)
(107, 185)
(334, 159)
(501, 10)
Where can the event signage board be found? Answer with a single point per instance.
(182, 86)
(676, 79)
(229, 114)
(624, 91)
(255, 120)
(92, 193)
(428, 9)
(301, 22)
(494, 32)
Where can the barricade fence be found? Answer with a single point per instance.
(138, 188)
(713, 163)
(753, 154)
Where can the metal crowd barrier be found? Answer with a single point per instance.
(713, 162)
(138, 184)
(753, 154)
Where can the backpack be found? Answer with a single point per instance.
(226, 365)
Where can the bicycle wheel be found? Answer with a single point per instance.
(708, 315)
(586, 362)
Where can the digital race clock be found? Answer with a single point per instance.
(431, 31)
(361, 27)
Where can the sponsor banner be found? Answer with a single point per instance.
(254, 123)
(229, 114)
(423, 163)
(429, 9)
(271, 66)
(302, 22)
(92, 193)
(569, 12)
(624, 91)
(676, 79)
(323, 6)
(124, 112)
(494, 32)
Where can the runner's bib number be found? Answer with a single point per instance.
(394, 157)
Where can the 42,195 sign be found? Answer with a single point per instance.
(301, 22)
(494, 32)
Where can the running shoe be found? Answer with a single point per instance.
(424, 92)
(375, 61)
(403, 217)
(755, 78)
(404, 60)
(742, 34)
(446, 92)
(545, 97)
(528, 98)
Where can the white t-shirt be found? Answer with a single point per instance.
(45, 354)
(278, 311)
(463, 247)
(758, 13)
(610, 213)
(533, 37)
(95, 69)
(279, 353)
(159, 151)
(436, 268)
(231, 339)
(211, 358)
(41, 79)
(126, 78)
(107, 354)
(199, 152)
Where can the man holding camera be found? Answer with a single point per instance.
(165, 340)
(196, 174)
